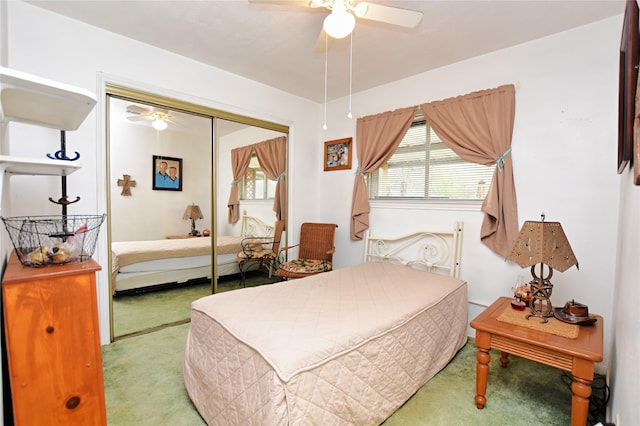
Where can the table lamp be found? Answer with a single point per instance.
(544, 244)
(193, 212)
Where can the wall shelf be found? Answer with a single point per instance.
(35, 100)
(36, 166)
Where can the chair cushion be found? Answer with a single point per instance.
(306, 266)
(257, 253)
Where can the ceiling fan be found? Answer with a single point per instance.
(158, 116)
(341, 22)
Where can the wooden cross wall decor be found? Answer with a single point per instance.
(126, 183)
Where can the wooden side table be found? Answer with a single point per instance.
(577, 355)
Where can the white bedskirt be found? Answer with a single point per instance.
(344, 347)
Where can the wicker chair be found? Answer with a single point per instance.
(261, 250)
(315, 251)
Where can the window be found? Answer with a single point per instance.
(424, 168)
(255, 185)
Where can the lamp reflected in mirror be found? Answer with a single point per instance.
(194, 213)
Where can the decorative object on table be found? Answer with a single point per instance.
(126, 183)
(337, 154)
(518, 305)
(544, 244)
(194, 213)
(167, 173)
(206, 233)
(522, 297)
(574, 313)
(53, 240)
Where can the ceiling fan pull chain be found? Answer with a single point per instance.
(326, 49)
(350, 72)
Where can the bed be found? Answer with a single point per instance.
(142, 265)
(343, 347)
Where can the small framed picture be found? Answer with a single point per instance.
(337, 154)
(167, 173)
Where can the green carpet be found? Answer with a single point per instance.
(139, 312)
(144, 386)
(143, 312)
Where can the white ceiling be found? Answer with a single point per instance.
(276, 43)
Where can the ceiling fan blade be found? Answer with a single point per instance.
(139, 118)
(387, 14)
(319, 3)
(301, 3)
(135, 109)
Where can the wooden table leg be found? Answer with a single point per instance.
(580, 401)
(504, 359)
(581, 387)
(482, 373)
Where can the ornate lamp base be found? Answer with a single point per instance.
(193, 228)
(541, 289)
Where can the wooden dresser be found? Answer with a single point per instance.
(53, 344)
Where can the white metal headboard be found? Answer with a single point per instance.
(251, 226)
(438, 252)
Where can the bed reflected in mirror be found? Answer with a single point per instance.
(169, 234)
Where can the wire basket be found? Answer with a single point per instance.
(54, 240)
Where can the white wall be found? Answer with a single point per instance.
(625, 345)
(150, 214)
(564, 154)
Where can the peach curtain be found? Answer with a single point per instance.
(240, 158)
(377, 138)
(478, 127)
(272, 158)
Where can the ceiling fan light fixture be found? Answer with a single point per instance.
(159, 124)
(340, 22)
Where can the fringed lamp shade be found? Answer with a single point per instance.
(194, 213)
(543, 243)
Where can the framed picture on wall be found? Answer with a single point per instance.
(337, 154)
(629, 55)
(167, 173)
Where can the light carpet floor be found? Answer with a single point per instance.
(136, 313)
(144, 386)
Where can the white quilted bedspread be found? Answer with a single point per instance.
(345, 347)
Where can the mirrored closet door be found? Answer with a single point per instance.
(160, 192)
(169, 174)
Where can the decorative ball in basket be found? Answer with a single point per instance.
(54, 240)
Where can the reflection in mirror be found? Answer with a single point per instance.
(163, 216)
(256, 191)
(160, 168)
